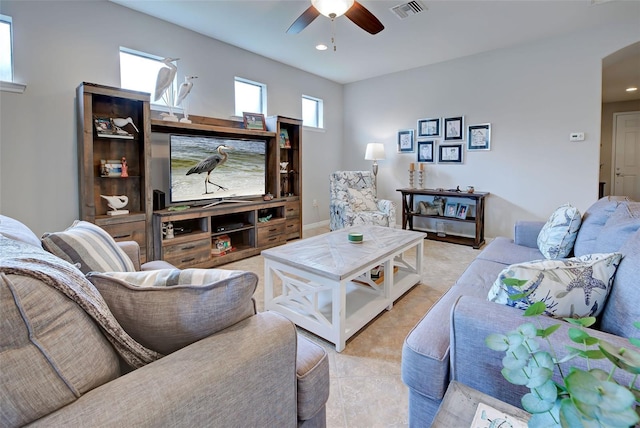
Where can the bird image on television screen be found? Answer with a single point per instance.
(209, 164)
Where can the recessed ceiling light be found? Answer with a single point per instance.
(631, 89)
(321, 47)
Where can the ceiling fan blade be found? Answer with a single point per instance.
(303, 20)
(364, 19)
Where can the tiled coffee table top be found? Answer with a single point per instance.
(332, 254)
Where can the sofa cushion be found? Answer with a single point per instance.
(593, 220)
(620, 226)
(14, 229)
(168, 309)
(52, 352)
(504, 250)
(623, 307)
(89, 247)
(576, 287)
(559, 233)
(312, 373)
(363, 199)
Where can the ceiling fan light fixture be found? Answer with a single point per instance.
(332, 8)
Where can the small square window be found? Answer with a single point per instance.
(139, 72)
(312, 112)
(251, 97)
(6, 51)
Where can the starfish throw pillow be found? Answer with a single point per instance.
(575, 287)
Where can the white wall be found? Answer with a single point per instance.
(59, 44)
(533, 95)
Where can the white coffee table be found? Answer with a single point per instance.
(323, 284)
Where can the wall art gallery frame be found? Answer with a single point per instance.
(429, 127)
(406, 141)
(450, 153)
(426, 151)
(453, 128)
(479, 137)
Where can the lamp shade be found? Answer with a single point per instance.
(375, 151)
(332, 8)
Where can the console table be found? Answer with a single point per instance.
(410, 211)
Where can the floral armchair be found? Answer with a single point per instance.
(353, 201)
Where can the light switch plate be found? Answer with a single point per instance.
(576, 136)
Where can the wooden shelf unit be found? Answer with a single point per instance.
(409, 212)
(196, 230)
(98, 101)
(253, 236)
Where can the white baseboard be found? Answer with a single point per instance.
(315, 225)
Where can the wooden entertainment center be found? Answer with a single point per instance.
(248, 227)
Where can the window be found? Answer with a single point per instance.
(6, 51)
(312, 112)
(139, 71)
(250, 96)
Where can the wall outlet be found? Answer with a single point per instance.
(576, 136)
(315, 203)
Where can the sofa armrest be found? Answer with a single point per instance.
(244, 375)
(132, 249)
(475, 365)
(526, 233)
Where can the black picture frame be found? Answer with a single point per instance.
(453, 128)
(450, 153)
(429, 127)
(426, 151)
(406, 141)
(479, 137)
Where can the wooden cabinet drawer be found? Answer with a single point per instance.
(292, 228)
(271, 234)
(292, 209)
(133, 231)
(187, 253)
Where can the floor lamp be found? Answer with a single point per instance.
(375, 152)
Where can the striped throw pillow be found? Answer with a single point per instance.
(89, 247)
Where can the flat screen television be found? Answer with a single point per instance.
(243, 173)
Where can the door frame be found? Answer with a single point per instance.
(614, 143)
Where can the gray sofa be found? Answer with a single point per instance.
(59, 368)
(448, 343)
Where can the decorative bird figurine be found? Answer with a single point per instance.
(209, 164)
(165, 77)
(115, 203)
(120, 122)
(185, 88)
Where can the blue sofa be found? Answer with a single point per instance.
(448, 343)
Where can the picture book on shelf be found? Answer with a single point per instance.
(284, 139)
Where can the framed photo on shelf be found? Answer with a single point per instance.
(405, 141)
(463, 210)
(453, 128)
(451, 209)
(479, 137)
(425, 151)
(429, 127)
(450, 153)
(254, 121)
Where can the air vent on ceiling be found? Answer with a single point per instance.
(406, 10)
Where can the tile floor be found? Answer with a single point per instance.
(366, 388)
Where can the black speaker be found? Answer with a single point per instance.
(158, 200)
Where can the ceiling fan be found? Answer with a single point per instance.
(353, 10)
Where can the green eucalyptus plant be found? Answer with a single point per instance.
(584, 398)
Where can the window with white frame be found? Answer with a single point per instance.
(139, 72)
(312, 112)
(250, 96)
(6, 49)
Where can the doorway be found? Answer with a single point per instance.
(625, 177)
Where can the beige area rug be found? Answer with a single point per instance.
(366, 388)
